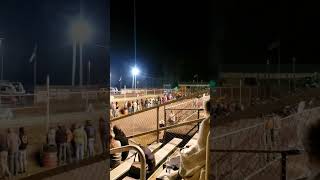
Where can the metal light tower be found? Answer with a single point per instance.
(1, 50)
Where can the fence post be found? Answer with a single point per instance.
(198, 118)
(231, 93)
(48, 103)
(158, 124)
(240, 92)
(250, 94)
(165, 116)
(87, 99)
(283, 166)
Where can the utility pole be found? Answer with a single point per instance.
(294, 72)
(2, 51)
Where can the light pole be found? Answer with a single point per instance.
(74, 55)
(80, 32)
(134, 71)
(294, 72)
(89, 73)
(1, 50)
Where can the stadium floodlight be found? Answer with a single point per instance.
(80, 30)
(135, 71)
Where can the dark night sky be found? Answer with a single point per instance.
(46, 22)
(175, 39)
(181, 38)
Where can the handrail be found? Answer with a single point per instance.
(141, 157)
(208, 157)
(165, 128)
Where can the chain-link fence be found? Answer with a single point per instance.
(144, 127)
(262, 151)
(41, 113)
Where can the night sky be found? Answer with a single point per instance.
(182, 38)
(175, 39)
(47, 23)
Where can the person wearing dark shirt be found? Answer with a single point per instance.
(4, 156)
(150, 160)
(61, 140)
(91, 134)
(120, 136)
(23, 150)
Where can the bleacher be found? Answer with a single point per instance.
(161, 171)
(160, 153)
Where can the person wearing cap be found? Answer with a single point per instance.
(91, 134)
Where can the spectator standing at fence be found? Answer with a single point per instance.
(121, 136)
(13, 149)
(115, 159)
(129, 107)
(4, 156)
(103, 133)
(80, 139)
(51, 137)
(23, 150)
(126, 104)
(172, 117)
(135, 106)
(61, 140)
(91, 134)
(113, 107)
(138, 105)
(69, 144)
(142, 104)
(146, 103)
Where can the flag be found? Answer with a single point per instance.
(120, 78)
(34, 53)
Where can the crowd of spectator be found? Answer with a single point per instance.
(130, 107)
(13, 145)
(73, 143)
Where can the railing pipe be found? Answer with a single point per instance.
(141, 157)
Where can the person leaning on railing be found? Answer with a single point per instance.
(115, 159)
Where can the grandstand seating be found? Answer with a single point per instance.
(191, 142)
(125, 166)
(160, 155)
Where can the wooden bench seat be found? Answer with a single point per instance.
(166, 150)
(125, 166)
(191, 142)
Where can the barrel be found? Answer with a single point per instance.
(50, 159)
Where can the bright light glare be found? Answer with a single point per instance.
(135, 71)
(80, 30)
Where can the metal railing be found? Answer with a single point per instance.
(282, 157)
(250, 150)
(148, 122)
(141, 157)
